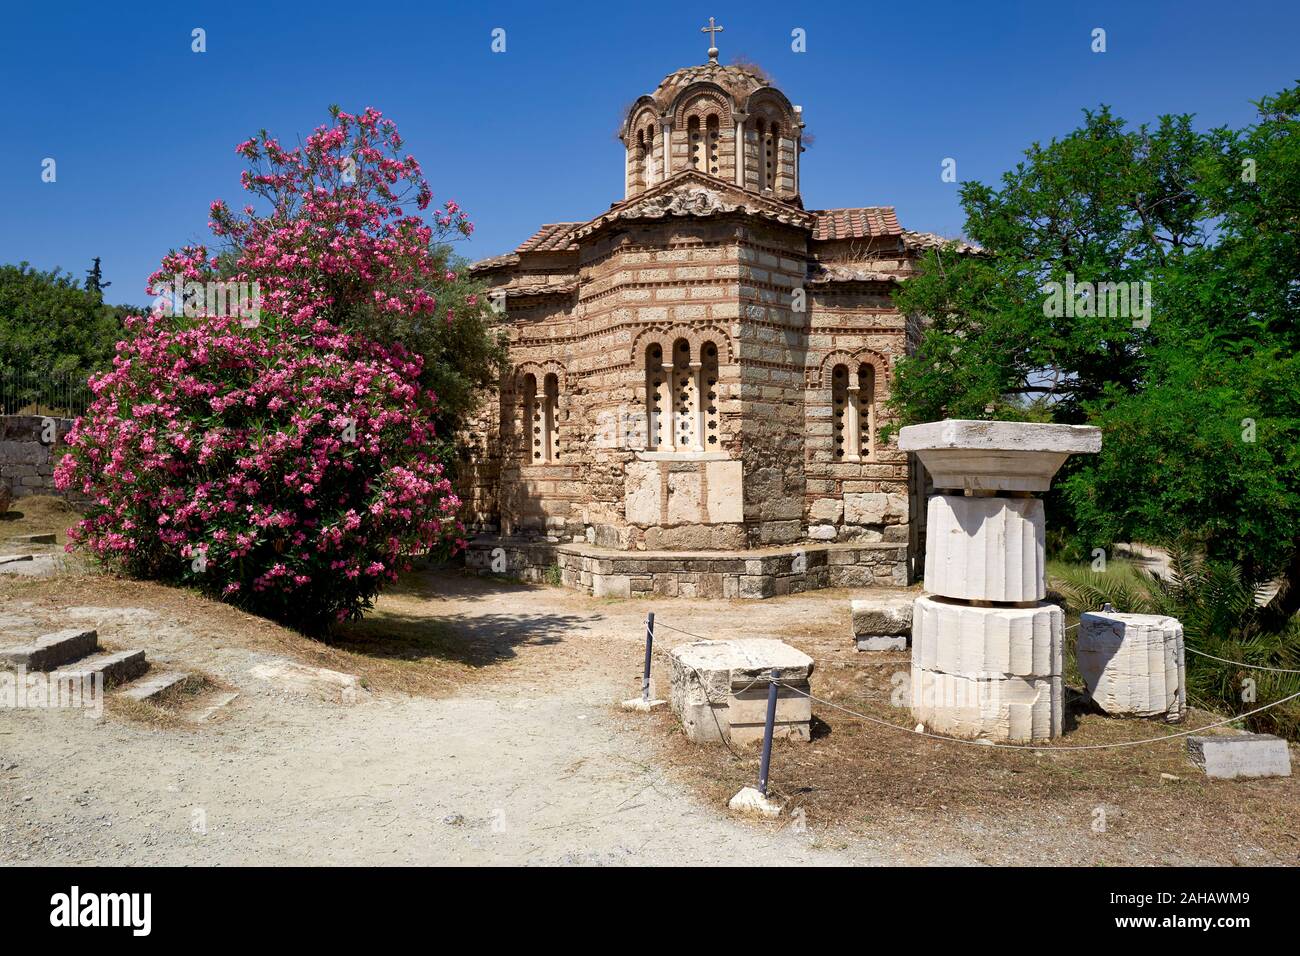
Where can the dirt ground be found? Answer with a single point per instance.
(483, 728)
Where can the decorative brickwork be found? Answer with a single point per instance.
(691, 335)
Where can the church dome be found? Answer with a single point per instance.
(726, 121)
(738, 81)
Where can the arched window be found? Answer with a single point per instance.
(541, 408)
(649, 156)
(770, 146)
(866, 398)
(853, 411)
(686, 399)
(709, 396)
(696, 141)
(839, 409)
(642, 162)
(713, 136)
(551, 416)
(656, 397)
(533, 446)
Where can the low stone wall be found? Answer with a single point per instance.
(706, 574)
(30, 447)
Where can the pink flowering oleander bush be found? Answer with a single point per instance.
(339, 237)
(286, 470)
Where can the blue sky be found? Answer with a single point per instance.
(143, 129)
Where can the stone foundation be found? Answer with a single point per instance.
(27, 460)
(761, 573)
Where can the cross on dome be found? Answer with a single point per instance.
(711, 30)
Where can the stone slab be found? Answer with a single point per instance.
(882, 616)
(719, 689)
(1240, 756)
(33, 539)
(116, 668)
(155, 686)
(52, 650)
(881, 643)
(996, 455)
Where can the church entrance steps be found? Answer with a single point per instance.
(749, 574)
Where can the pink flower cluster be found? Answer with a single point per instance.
(291, 467)
(340, 232)
(290, 471)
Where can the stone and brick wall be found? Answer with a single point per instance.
(774, 310)
(28, 456)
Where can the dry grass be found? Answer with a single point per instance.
(37, 514)
(167, 711)
(862, 780)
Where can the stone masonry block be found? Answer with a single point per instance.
(718, 689)
(888, 616)
(1240, 755)
(992, 707)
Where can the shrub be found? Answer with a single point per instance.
(53, 333)
(291, 472)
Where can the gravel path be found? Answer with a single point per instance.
(531, 765)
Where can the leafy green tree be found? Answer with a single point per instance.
(1211, 444)
(95, 278)
(1103, 204)
(53, 333)
(1199, 399)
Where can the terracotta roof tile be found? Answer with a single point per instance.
(552, 237)
(862, 223)
(494, 262)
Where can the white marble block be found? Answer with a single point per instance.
(988, 707)
(1236, 756)
(996, 456)
(985, 549)
(882, 624)
(1133, 663)
(719, 689)
(965, 640)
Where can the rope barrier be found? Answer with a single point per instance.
(1031, 747)
(1224, 660)
(1055, 749)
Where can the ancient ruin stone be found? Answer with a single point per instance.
(988, 707)
(882, 623)
(719, 689)
(961, 639)
(990, 549)
(996, 456)
(1133, 663)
